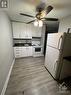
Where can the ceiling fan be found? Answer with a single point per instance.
(42, 11)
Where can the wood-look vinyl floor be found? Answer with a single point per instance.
(29, 77)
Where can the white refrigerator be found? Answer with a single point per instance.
(58, 47)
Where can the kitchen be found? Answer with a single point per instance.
(27, 42)
(30, 51)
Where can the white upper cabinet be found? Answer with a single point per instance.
(36, 31)
(26, 31)
(16, 32)
(21, 30)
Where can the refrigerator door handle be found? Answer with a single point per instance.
(59, 41)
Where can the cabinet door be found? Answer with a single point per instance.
(23, 28)
(36, 31)
(15, 51)
(28, 32)
(16, 32)
(39, 29)
(29, 51)
(24, 52)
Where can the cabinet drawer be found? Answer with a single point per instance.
(18, 50)
(18, 53)
(17, 47)
(17, 56)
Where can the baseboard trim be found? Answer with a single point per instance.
(7, 79)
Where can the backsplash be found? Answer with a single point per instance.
(35, 42)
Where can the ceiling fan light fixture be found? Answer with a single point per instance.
(35, 23)
(43, 14)
(40, 23)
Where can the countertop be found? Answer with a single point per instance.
(21, 45)
(36, 46)
(25, 45)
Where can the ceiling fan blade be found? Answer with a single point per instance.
(30, 22)
(50, 19)
(48, 9)
(26, 15)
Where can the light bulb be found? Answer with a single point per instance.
(35, 23)
(40, 23)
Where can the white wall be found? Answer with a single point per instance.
(65, 23)
(6, 48)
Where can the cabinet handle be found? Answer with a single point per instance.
(59, 41)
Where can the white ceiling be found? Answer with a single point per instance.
(61, 8)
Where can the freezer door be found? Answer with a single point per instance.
(54, 40)
(51, 60)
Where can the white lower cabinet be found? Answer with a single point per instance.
(29, 51)
(23, 51)
(17, 51)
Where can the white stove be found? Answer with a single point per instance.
(37, 51)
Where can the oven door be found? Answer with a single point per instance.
(37, 52)
(38, 49)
